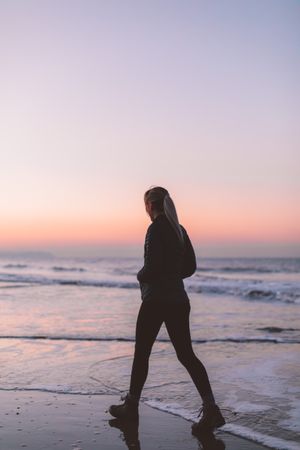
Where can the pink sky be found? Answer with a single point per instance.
(104, 99)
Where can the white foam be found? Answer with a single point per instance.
(238, 430)
(293, 422)
(269, 441)
(54, 390)
(239, 406)
(172, 408)
(247, 407)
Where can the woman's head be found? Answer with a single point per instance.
(158, 201)
(154, 199)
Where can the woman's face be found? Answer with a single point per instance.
(149, 210)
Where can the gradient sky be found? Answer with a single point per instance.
(101, 99)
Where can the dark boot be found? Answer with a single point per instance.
(211, 419)
(129, 410)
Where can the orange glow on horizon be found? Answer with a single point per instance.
(211, 227)
(68, 232)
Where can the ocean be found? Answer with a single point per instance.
(68, 326)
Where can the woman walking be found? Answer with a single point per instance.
(168, 258)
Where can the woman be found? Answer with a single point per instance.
(168, 258)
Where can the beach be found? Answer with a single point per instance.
(37, 421)
(67, 339)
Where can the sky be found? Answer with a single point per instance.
(99, 100)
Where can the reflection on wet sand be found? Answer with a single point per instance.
(130, 435)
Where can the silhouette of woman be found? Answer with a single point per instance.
(169, 257)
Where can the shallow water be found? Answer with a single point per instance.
(68, 326)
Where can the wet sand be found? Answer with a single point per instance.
(41, 420)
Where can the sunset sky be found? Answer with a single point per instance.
(101, 99)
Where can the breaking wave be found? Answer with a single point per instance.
(41, 280)
(238, 339)
(68, 269)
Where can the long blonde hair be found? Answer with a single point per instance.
(161, 201)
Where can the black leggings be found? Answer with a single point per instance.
(176, 317)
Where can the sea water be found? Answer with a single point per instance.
(68, 326)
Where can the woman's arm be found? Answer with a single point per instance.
(152, 269)
(189, 265)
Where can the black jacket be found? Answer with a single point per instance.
(166, 262)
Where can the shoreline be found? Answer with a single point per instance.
(44, 420)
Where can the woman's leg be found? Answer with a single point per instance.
(149, 321)
(177, 323)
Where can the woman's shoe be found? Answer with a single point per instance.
(211, 419)
(129, 410)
